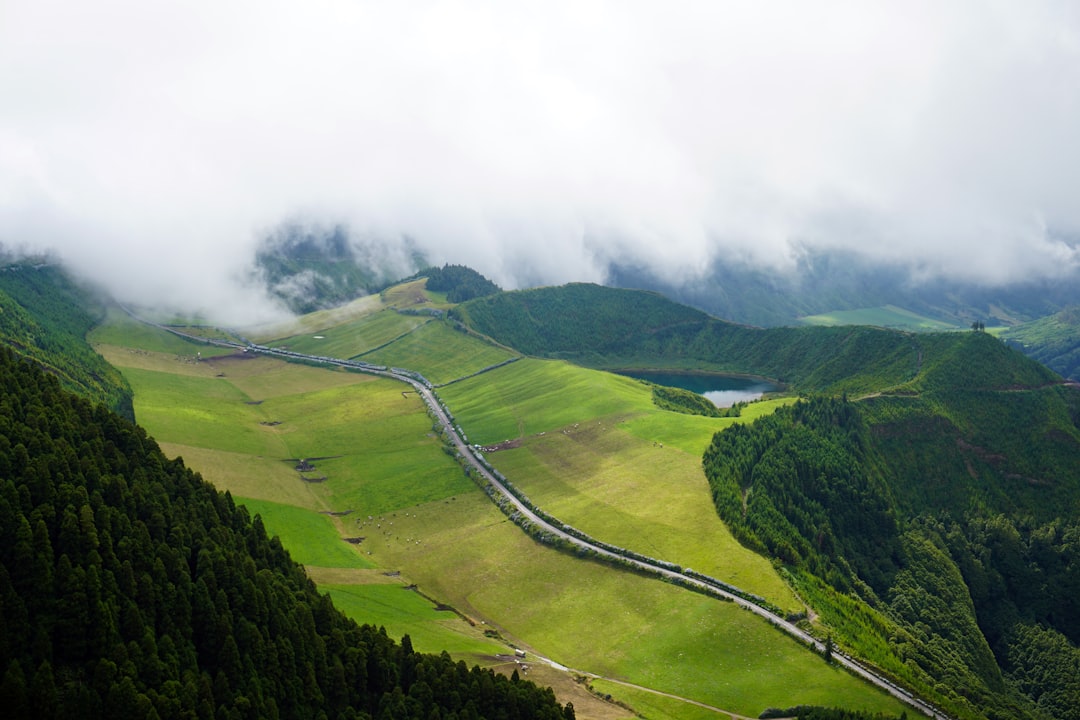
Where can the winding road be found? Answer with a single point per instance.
(424, 389)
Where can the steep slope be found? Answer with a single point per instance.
(611, 328)
(949, 512)
(44, 316)
(130, 588)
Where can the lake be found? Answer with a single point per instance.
(723, 390)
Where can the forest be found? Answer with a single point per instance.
(969, 571)
(130, 587)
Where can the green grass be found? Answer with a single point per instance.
(594, 618)
(312, 537)
(533, 396)
(433, 525)
(651, 705)
(888, 316)
(354, 338)
(201, 411)
(409, 613)
(440, 353)
(646, 496)
(121, 330)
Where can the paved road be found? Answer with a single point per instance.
(468, 453)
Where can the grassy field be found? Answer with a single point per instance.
(420, 517)
(354, 338)
(594, 618)
(534, 396)
(440, 353)
(650, 498)
(889, 316)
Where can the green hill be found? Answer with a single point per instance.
(44, 316)
(610, 328)
(930, 525)
(131, 588)
(949, 513)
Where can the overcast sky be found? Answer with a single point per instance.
(153, 143)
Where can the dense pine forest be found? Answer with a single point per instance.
(951, 515)
(129, 587)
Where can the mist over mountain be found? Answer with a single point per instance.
(155, 148)
(825, 281)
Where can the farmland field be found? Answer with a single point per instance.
(440, 353)
(246, 422)
(354, 338)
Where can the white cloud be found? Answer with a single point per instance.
(151, 142)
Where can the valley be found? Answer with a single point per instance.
(444, 534)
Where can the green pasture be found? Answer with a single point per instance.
(313, 322)
(356, 337)
(439, 353)
(201, 411)
(405, 612)
(594, 618)
(248, 476)
(647, 497)
(693, 433)
(888, 316)
(122, 330)
(532, 396)
(313, 538)
(651, 705)
(429, 522)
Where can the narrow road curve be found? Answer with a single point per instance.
(466, 451)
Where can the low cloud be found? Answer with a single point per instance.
(153, 147)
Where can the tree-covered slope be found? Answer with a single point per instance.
(936, 530)
(611, 328)
(460, 283)
(44, 316)
(129, 588)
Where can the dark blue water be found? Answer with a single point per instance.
(723, 390)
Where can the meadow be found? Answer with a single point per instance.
(439, 353)
(421, 517)
(355, 338)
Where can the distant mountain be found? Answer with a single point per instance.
(1053, 341)
(829, 281)
(313, 267)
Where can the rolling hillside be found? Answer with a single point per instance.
(943, 502)
(928, 523)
